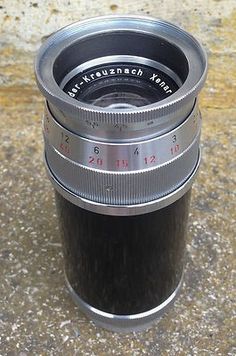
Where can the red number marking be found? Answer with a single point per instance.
(91, 159)
(99, 161)
(95, 161)
(122, 163)
(65, 148)
(151, 159)
(174, 149)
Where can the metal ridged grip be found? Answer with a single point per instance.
(122, 174)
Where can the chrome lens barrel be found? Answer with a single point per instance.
(122, 129)
(103, 157)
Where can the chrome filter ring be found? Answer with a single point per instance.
(57, 49)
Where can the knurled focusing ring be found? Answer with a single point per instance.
(121, 124)
(124, 174)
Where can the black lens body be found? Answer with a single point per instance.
(124, 264)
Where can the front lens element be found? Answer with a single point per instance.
(122, 130)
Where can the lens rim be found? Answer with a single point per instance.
(56, 43)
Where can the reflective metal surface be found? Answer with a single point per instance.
(124, 323)
(97, 36)
(122, 171)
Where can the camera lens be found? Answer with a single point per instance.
(121, 132)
